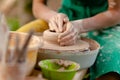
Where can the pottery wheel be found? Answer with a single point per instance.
(50, 42)
(80, 45)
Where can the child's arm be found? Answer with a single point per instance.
(40, 10)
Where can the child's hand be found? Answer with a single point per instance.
(57, 22)
(71, 33)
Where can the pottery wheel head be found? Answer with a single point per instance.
(50, 42)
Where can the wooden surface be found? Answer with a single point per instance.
(79, 75)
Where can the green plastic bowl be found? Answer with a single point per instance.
(51, 70)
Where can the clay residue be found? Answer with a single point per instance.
(112, 3)
(63, 63)
(93, 44)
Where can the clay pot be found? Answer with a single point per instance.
(51, 37)
(51, 42)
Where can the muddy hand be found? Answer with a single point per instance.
(56, 22)
(71, 33)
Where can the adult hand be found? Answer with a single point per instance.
(71, 33)
(56, 22)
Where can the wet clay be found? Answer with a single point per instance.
(51, 42)
(64, 64)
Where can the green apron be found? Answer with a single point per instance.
(109, 39)
(78, 9)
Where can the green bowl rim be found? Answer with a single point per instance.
(77, 68)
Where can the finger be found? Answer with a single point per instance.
(64, 27)
(60, 24)
(67, 31)
(51, 27)
(54, 25)
(66, 19)
(68, 37)
(62, 14)
(68, 42)
(61, 21)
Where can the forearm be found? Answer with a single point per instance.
(102, 20)
(42, 11)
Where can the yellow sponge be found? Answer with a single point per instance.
(37, 25)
